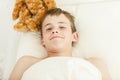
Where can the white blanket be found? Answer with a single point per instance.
(62, 68)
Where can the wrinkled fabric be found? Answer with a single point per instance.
(62, 68)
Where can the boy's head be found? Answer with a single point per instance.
(58, 32)
(57, 12)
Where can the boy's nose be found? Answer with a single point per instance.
(54, 31)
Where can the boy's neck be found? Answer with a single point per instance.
(55, 54)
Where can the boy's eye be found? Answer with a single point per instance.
(48, 29)
(62, 27)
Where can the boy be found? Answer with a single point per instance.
(58, 35)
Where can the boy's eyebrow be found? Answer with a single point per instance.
(62, 22)
(47, 24)
(51, 23)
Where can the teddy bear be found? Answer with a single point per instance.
(29, 13)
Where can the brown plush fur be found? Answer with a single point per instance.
(30, 13)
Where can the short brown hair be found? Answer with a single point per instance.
(58, 11)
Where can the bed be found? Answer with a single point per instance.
(97, 22)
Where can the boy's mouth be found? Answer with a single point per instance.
(54, 37)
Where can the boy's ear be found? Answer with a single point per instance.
(75, 37)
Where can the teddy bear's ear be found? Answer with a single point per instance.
(50, 4)
(16, 10)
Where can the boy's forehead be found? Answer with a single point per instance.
(60, 18)
(55, 15)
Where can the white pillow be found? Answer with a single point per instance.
(30, 45)
(30, 41)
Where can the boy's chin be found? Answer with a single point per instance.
(56, 48)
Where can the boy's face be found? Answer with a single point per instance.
(57, 33)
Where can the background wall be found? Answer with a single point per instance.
(8, 38)
(99, 32)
